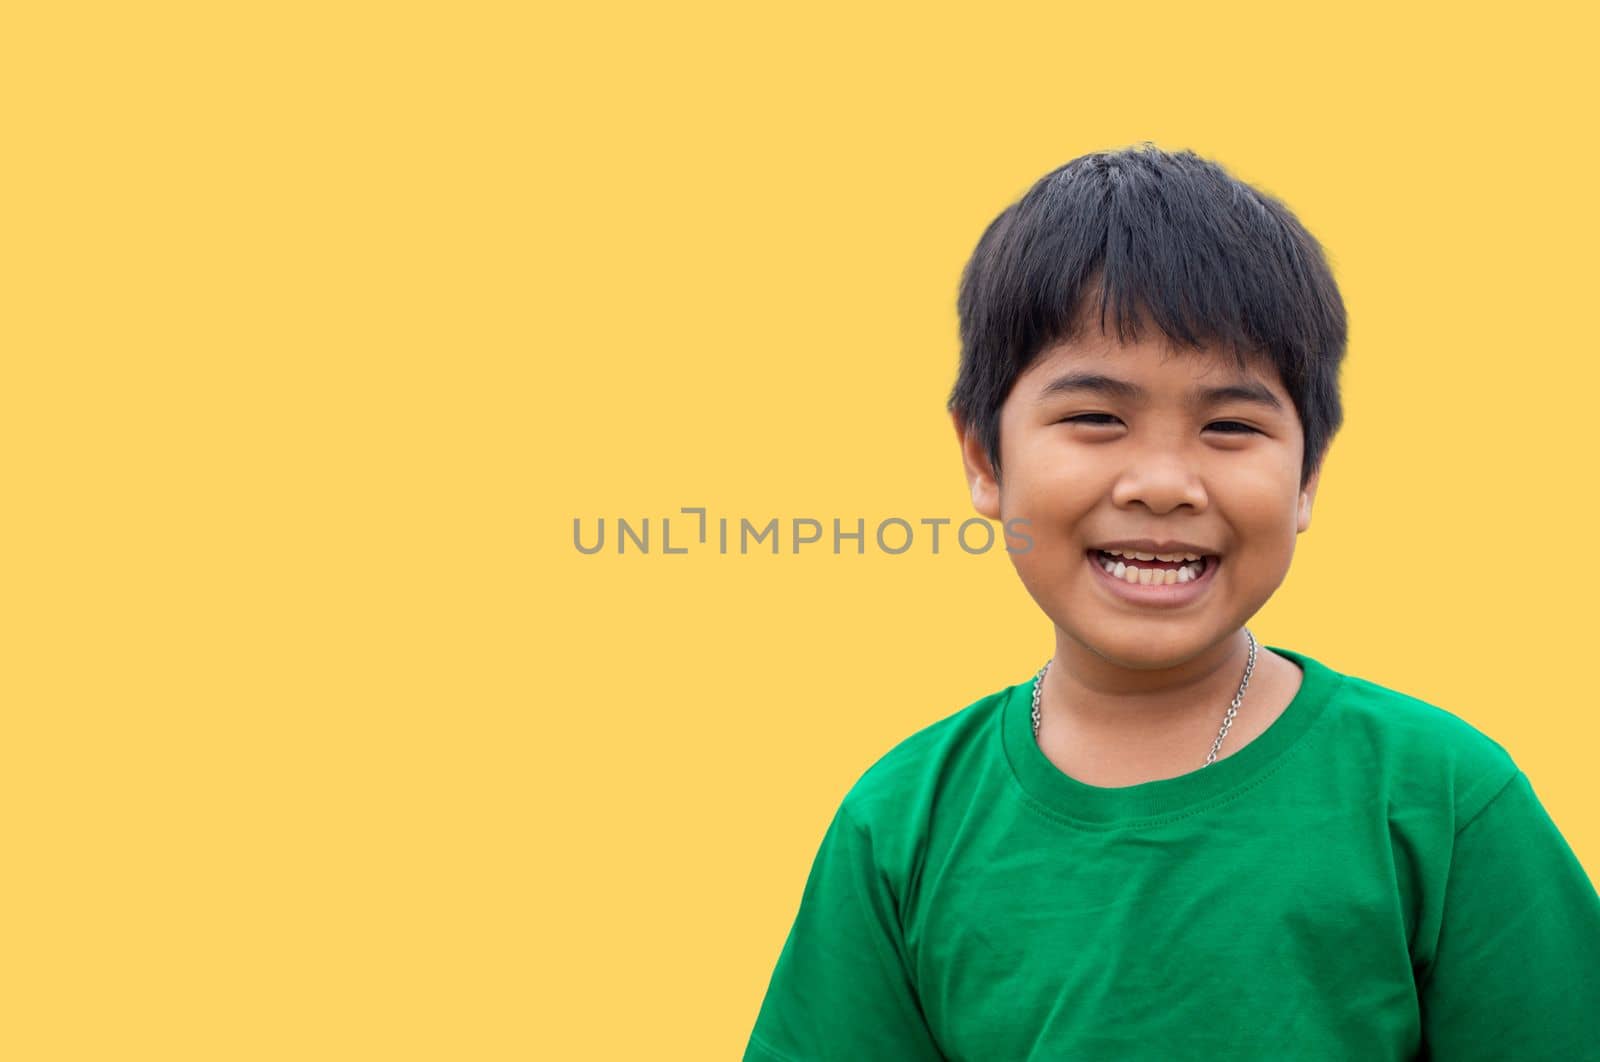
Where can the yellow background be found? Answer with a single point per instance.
(323, 322)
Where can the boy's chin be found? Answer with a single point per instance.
(1143, 645)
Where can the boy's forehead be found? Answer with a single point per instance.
(1154, 360)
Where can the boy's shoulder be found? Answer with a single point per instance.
(914, 772)
(1416, 743)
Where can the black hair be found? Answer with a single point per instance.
(1167, 237)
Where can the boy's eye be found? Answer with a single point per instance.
(1099, 419)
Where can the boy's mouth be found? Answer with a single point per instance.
(1149, 570)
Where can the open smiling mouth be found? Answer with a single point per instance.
(1153, 582)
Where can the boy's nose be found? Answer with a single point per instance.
(1161, 483)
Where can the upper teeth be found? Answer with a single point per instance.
(1153, 556)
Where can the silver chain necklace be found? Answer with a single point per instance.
(1227, 720)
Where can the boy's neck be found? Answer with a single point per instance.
(1110, 725)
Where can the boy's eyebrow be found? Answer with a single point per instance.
(1111, 387)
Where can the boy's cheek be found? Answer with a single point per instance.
(1053, 511)
(1044, 563)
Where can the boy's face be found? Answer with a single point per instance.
(1166, 465)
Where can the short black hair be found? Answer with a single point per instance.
(1167, 237)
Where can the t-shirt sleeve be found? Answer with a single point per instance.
(1517, 970)
(842, 987)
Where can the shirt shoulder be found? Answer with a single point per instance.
(941, 763)
(1419, 749)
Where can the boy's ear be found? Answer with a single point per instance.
(1308, 494)
(980, 474)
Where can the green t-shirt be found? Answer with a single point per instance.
(1371, 878)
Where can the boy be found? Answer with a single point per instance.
(1172, 842)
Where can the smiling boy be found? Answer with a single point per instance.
(1161, 521)
(1173, 842)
